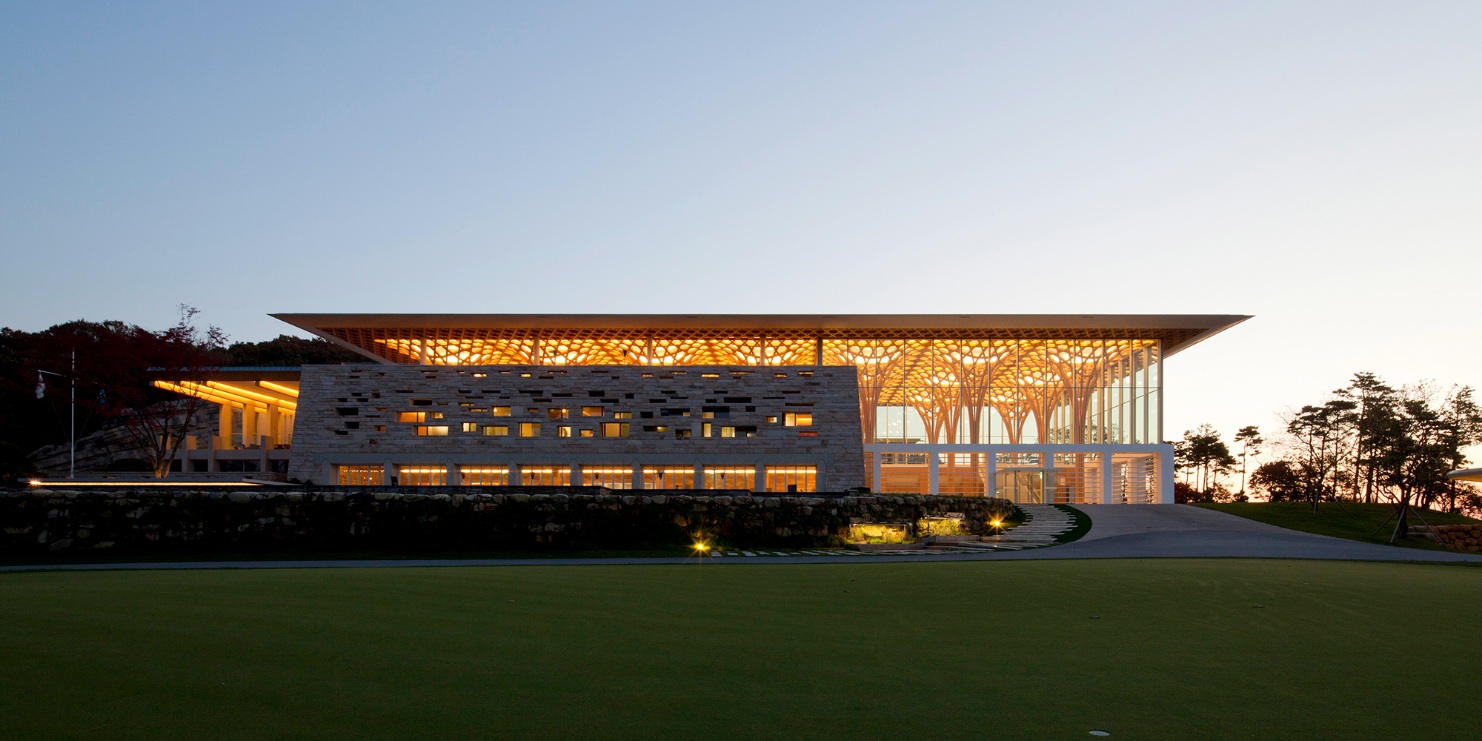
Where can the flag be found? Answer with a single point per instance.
(40, 386)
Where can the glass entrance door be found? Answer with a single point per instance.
(1020, 486)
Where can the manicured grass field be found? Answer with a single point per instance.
(1176, 649)
(1351, 521)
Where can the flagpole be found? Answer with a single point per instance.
(72, 452)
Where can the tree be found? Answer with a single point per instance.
(1318, 435)
(1421, 444)
(1204, 452)
(1374, 411)
(286, 350)
(157, 420)
(1280, 480)
(1250, 441)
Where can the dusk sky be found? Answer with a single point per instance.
(1316, 165)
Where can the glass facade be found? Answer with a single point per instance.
(1011, 392)
(929, 387)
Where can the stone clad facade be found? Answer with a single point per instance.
(792, 428)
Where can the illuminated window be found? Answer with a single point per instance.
(668, 477)
(612, 477)
(470, 426)
(360, 475)
(591, 411)
(499, 411)
(422, 475)
(705, 430)
(798, 419)
(380, 428)
(431, 430)
(532, 411)
(622, 415)
(545, 475)
(484, 475)
(496, 430)
(586, 433)
(411, 416)
(558, 413)
(791, 478)
(771, 419)
(710, 375)
(614, 429)
(730, 477)
(683, 434)
(563, 430)
(529, 429)
(481, 375)
(656, 428)
(727, 432)
(435, 415)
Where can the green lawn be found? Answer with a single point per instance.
(1351, 521)
(1180, 650)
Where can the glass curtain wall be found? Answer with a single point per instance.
(1005, 391)
(943, 390)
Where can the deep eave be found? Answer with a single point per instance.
(1175, 331)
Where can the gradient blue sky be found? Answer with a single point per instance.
(1318, 165)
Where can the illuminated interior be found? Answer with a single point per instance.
(935, 379)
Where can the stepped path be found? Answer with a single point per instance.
(1042, 525)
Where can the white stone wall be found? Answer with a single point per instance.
(347, 415)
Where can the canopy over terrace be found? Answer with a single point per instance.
(954, 378)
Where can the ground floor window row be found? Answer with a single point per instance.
(614, 476)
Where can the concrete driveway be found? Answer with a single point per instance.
(1186, 531)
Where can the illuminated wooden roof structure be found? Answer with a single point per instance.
(715, 339)
(1057, 376)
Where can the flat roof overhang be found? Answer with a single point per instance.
(1466, 474)
(356, 331)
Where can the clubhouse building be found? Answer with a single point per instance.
(1032, 408)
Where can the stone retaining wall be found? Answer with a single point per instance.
(205, 521)
(1462, 537)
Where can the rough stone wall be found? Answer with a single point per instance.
(1461, 537)
(38, 522)
(348, 414)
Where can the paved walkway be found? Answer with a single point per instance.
(1117, 531)
(1185, 531)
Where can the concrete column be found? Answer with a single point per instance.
(328, 476)
(1106, 478)
(249, 426)
(275, 424)
(931, 470)
(637, 476)
(1165, 474)
(224, 427)
(876, 483)
(761, 478)
(992, 473)
(515, 476)
(699, 476)
(573, 475)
